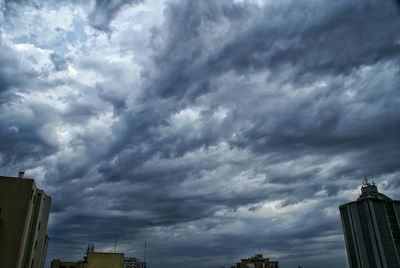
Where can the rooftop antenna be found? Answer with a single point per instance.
(90, 248)
(365, 182)
(145, 253)
(115, 244)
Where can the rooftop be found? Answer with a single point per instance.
(370, 190)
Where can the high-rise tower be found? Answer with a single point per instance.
(372, 230)
(24, 212)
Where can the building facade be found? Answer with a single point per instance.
(371, 229)
(105, 260)
(68, 264)
(258, 261)
(131, 262)
(24, 213)
(94, 260)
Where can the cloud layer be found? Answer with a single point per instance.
(212, 129)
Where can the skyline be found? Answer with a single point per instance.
(214, 130)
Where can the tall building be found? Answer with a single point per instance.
(258, 261)
(24, 213)
(371, 229)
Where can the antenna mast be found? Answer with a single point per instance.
(115, 245)
(145, 252)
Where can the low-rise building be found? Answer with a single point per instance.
(63, 264)
(105, 260)
(257, 261)
(100, 260)
(131, 262)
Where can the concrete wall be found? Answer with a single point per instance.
(371, 229)
(16, 203)
(105, 260)
(62, 264)
(23, 223)
(39, 228)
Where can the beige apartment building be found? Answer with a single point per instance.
(94, 260)
(105, 260)
(24, 213)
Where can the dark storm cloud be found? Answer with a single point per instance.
(343, 37)
(20, 139)
(181, 61)
(105, 11)
(8, 64)
(326, 44)
(288, 104)
(334, 38)
(21, 142)
(317, 40)
(331, 42)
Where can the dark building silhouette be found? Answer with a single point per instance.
(258, 261)
(371, 229)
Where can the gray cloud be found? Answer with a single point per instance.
(21, 141)
(104, 11)
(8, 64)
(60, 64)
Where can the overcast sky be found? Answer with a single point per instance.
(213, 129)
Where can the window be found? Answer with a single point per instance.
(32, 263)
(0, 212)
(35, 244)
(38, 226)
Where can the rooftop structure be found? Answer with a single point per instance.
(257, 261)
(100, 260)
(371, 229)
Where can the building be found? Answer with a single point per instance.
(64, 264)
(24, 213)
(131, 262)
(258, 261)
(371, 229)
(105, 260)
(94, 260)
